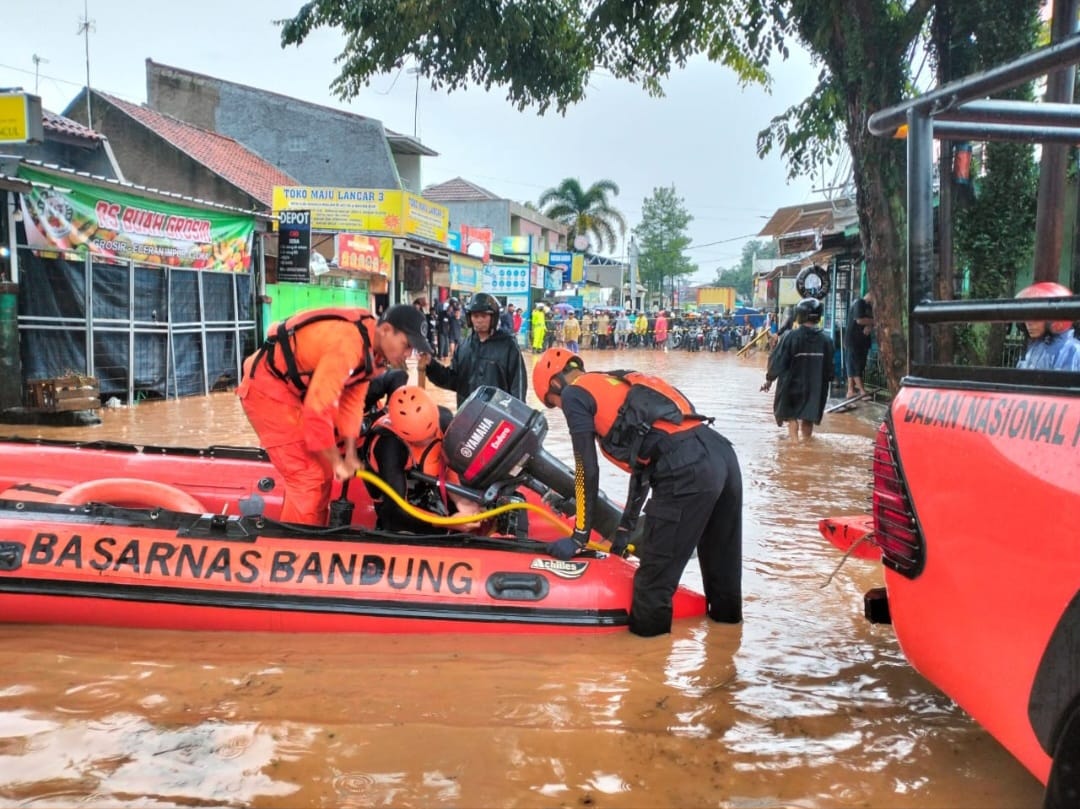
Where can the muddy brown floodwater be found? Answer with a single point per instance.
(804, 705)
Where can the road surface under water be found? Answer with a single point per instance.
(804, 705)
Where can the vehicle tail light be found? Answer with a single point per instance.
(895, 523)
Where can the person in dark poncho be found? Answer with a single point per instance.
(802, 364)
(488, 356)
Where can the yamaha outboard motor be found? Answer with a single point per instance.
(497, 439)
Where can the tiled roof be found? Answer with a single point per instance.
(52, 122)
(457, 190)
(226, 157)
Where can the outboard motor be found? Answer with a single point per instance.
(497, 439)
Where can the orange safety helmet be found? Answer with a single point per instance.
(414, 416)
(548, 372)
(1048, 289)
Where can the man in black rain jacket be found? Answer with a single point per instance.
(802, 362)
(488, 356)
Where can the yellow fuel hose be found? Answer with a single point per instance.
(463, 519)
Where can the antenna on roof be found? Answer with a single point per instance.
(37, 60)
(86, 25)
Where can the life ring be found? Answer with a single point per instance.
(132, 492)
(812, 282)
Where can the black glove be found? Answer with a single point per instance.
(620, 546)
(569, 547)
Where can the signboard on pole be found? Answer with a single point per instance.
(294, 246)
(20, 118)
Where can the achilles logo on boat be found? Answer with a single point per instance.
(564, 570)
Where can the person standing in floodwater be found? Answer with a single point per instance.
(803, 363)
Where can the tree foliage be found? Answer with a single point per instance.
(541, 51)
(662, 240)
(544, 51)
(586, 212)
(995, 227)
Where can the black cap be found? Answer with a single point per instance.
(409, 319)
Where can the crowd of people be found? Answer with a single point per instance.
(606, 328)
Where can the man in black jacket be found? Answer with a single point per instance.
(803, 363)
(488, 356)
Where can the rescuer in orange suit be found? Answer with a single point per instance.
(304, 389)
(410, 437)
(649, 429)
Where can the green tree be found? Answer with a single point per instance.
(741, 276)
(544, 51)
(662, 238)
(995, 227)
(586, 212)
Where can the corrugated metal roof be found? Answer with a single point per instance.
(793, 218)
(226, 157)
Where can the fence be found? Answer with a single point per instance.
(142, 331)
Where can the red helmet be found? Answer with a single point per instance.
(414, 416)
(1049, 289)
(548, 372)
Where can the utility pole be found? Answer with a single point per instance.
(415, 71)
(633, 250)
(86, 25)
(37, 71)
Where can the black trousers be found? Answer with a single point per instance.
(696, 503)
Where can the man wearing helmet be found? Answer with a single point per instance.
(692, 470)
(488, 356)
(803, 363)
(1052, 346)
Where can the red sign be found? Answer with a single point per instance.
(364, 254)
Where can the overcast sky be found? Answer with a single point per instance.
(700, 137)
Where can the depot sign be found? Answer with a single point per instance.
(20, 118)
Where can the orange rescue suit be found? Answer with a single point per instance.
(333, 363)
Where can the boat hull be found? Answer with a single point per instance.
(107, 566)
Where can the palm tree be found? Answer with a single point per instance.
(586, 212)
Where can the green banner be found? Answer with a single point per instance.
(61, 213)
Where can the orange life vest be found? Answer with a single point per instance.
(427, 460)
(630, 405)
(278, 351)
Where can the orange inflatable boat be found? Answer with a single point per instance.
(118, 535)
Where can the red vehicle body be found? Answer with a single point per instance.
(976, 501)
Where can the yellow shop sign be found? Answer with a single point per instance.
(20, 118)
(366, 210)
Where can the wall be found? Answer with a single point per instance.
(494, 214)
(148, 160)
(408, 169)
(71, 156)
(316, 145)
(288, 299)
